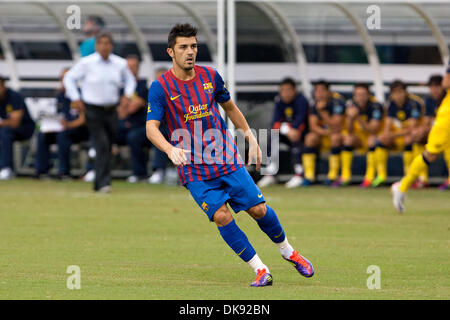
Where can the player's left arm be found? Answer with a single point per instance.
(351, 115)
(413, 121)
(337, 123)
(338, 118)
(14, 119)
(78, 122)
(137, 101)
(240, 123)
(15, 116)
(299, 122)
(373, 125)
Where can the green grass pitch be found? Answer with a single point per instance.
(153, 242)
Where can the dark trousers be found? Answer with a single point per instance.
(7, 137)
(64, 140)
(136, 139)
(295, 148)
(101, 123)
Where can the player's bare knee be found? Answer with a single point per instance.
(385, 139)
(371, 141)
(349, 140)
(258, 211)
(222, 217)
(431, 157)
(311, 140)
(336, 139)
(409, 140)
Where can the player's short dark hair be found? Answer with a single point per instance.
(97, 20)
(185, 30)
(435, 80)
(322, 82)
(288, 81)
(2, 79)
(133, 56)
(397, 84)
(104, 34)
(362, 85)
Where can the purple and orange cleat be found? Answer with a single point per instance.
(445, 185)
(303, 266)
(340, 183)
(263, 278)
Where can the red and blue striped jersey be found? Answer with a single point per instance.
(191, 113)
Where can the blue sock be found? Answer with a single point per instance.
(271, 226)
(237, 240)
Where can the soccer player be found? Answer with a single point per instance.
(326, 122)
(363, 121)
(15, 125)
(75, 131)
(432, 102)
(403, 115)
(291, 118)
(209, 165)
(438, 141)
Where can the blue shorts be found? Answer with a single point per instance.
(237, 189)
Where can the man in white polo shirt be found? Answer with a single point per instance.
(100, 77)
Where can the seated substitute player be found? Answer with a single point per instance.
(438, 141)
(363, 121)
(15, 125)
(209, 164)
(131, 128)
(326, 122)
(404, 113)
(75, 131)
(291, 118)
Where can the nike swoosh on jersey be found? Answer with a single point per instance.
(173, 98)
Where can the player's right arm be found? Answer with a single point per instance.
(155, 113)
(373, 125)
(14, 118)
(316, 127)
(351, 115)
(277, 117)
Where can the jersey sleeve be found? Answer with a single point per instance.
(416, 110)
(277, 116)
(156, 102)
(221, 93)
(301, 112)
(377, 112)
(141, 89)
(392, 112)
(429, 107)
(313, 109)
(17, 102)
(338, 107)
